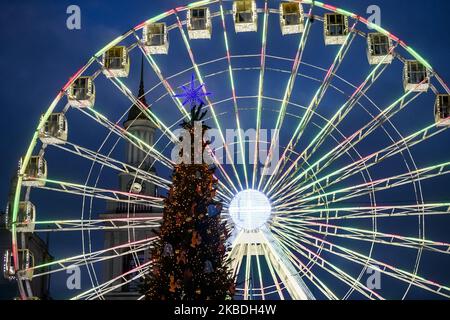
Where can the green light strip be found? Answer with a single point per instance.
(236, 109)
(260, 92)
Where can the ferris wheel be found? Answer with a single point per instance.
(351, 185)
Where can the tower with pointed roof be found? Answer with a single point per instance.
(138, 124)
(142, 128)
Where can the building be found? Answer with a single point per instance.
(141, 127)
(40, 286)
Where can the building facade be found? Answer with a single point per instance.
(40, 286)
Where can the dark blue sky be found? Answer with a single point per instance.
(39, 54)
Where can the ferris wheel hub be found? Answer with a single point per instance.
(250, 210)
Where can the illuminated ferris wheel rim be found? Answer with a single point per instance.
(156, 19)
(294, 152)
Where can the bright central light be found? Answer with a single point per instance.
(250, 209)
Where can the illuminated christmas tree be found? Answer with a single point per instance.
(189, 260)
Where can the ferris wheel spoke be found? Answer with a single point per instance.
(65, 266)
(152, 62)
(107, 287)
(260, 276)
(332, 230)
(105, 290)
(306, 271)
(141, 145)
(97, 224)
(233, 92)
(111, 285)
(260, 92)
(99, 193)
(114, 164)
(375, 158)
(128, 137)
(291, 239)
(92, 257)
(361, 259)
(142, 107)
(337, 118)
(318, 96)
(164, 81)
(272, 273)
(178, 103)
(248, 275)
(353, 139)
(211, 108)
(378, 185)
(235, 257)
(287, 95)
(384, 211)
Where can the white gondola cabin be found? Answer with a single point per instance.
(442, 110)
(291, 18)
(155, 38)
(25, 267)
(379, 49)
(26, 217)
(199, 23)
(81, 93)
(415, 77)
(245, 16)
(55, 130)
(8, 266)
(35, 173)
(116, 62)
(335, 28)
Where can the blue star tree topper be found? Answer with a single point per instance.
(193, 95)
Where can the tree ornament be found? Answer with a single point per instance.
(168, 250)
(181, 258)
(173, 284)
(194, 205)
(193, 95)
(232, 289)
(188, 274)
(178, 220)
(208, 267)
(213, 210)
(196, 239)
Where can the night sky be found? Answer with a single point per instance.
(39, 54)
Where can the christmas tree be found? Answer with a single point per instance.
(189, 260)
